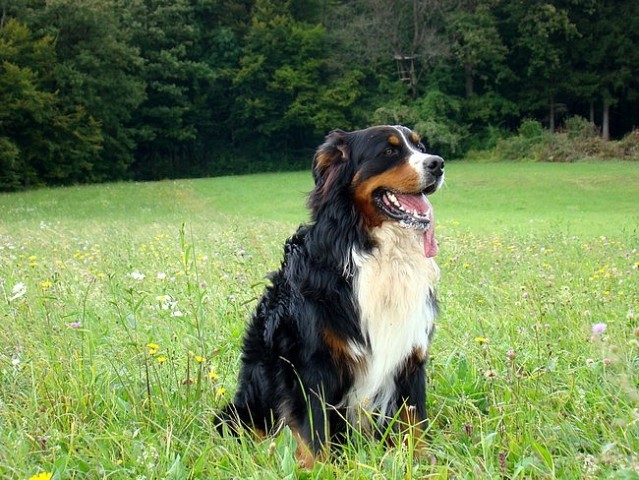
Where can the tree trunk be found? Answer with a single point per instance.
(468, 74)
(605, 122)
(592, 112)
(551, 125)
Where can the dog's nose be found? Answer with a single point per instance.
(435, 165)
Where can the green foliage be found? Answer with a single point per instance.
(96, 90)
(99, 69)
(177, 76)
(9, 166)
(285, 88)
(525, 145)
(579, 129)
(477, 45)
(433, 115)
(630, 145)
(577, 140)
(531, 130)
(46, 141)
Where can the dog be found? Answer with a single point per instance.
(340, 337)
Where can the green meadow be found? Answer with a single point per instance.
(123, 308)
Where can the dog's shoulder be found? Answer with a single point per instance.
(277, 308)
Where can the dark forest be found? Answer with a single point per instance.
(106, 90)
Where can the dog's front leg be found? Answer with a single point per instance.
(411, 383)
(318, 389)
(311, 431)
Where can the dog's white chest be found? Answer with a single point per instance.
(394, 286)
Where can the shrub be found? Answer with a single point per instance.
(577, 140)
(523, 146)
(531, 129)
(578, 128)
(630, 145)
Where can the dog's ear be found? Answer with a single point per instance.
(332, 170)
(333, 152)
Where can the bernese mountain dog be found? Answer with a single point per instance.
(340, 337)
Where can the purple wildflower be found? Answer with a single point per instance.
(598, 328)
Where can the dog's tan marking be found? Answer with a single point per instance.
(342, 352)
(412, 428)
(258, 433)
(419, 355)
(403, 178)
(414, 137)
(394, 140)
(304, 453)
(323, 160)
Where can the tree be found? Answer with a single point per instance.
(176, 115)
(98, 69)
(286, 90)
(409, 33)
(541, 35)
(476, 44)
(606, 56)
(43, 141)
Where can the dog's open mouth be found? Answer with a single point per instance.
(412, 211)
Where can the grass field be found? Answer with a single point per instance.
(123, 307)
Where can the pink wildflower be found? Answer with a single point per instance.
(598, 328)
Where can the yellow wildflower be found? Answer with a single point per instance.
(220, 392)
(161, 359)
(213, 375)
(153, 348)
(481, 340)
(46, 284)
(42, 476)
(199, 359)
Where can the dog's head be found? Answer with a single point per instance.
(385, 173)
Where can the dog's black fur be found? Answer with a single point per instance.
(298, 361)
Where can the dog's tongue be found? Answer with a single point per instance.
(422, 205)
(430, 243)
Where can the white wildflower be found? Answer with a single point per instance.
(19, 289)
(135, 275)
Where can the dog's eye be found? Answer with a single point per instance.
(390, 151)
(421, 147)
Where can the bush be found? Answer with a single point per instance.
(578, 128)
(531, 129)
(577, 140)
(525, 145)
(630, 145)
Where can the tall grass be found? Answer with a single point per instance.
(123, 308)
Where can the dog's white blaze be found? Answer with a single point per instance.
(417, 159)
(393, 286)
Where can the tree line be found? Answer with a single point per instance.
(100, 90)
